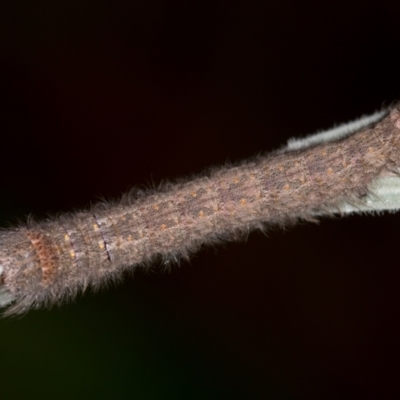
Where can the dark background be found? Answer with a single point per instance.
(100, 96)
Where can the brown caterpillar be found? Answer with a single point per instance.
(44, 263)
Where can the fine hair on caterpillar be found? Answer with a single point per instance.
(46, 262)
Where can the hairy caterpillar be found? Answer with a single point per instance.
(44, 263)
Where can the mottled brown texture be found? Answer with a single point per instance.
(49, 261)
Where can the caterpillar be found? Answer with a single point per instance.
(43, 263)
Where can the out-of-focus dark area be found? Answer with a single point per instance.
(101, 96)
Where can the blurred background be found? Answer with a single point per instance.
(101, 96)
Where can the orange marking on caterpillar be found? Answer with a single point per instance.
(46, 253)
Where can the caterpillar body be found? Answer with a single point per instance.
(43, 263)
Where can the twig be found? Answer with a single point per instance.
(351, 168)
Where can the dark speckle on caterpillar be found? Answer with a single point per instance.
(43, 263)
